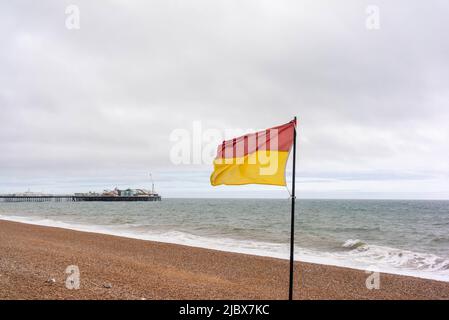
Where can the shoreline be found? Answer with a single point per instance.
(305, 257)
(136, 269)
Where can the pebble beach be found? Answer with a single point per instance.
(33, 261)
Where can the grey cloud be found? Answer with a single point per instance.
(102, 100)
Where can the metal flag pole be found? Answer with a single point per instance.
(292, 230)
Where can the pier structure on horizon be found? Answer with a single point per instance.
(107, 195)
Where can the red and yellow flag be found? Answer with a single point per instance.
(256, 158)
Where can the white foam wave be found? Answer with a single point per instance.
(352, 244)
(404, 260)
(360, 255)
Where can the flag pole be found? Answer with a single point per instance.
(292, 230)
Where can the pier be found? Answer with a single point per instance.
(72, 198)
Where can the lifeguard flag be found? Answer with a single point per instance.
(256, 158)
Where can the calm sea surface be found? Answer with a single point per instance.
(403, 237)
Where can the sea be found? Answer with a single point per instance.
(392, 236)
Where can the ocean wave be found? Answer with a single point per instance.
(440, 240)
(397, 258)
(353, 244)
(348, 230)
(356, 229)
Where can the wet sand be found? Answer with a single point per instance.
(121, 268)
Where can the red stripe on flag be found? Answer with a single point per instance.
(278, 138)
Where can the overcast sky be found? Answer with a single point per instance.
(93, 108)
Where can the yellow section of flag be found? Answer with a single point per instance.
(260, 167)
